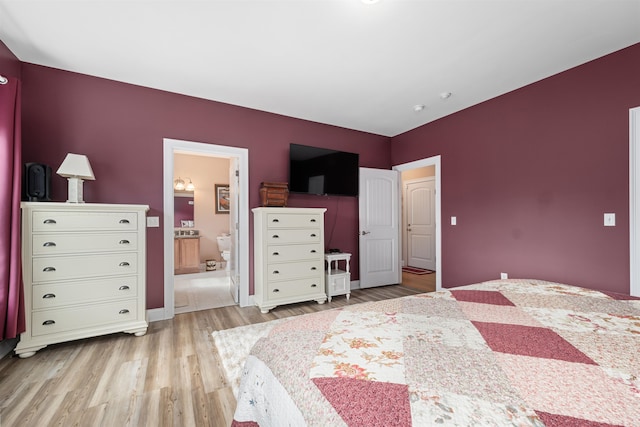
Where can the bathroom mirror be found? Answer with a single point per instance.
(183, 204)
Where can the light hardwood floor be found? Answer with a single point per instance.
(171, 376)
(420, 282)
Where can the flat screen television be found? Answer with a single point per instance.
(315, 170)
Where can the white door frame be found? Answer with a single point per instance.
(634, 201)
(431, 161)
(171, 147)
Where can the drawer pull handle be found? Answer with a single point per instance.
(314, 285)
(48, 244)
(49, 221)
(276, 253)
(124, 311)
(124, 264)
(124, 288)
(47, 296)
(49, 322)
(276, 272)
(124, 242)
(313, 235)
(276, 290)
(313, 268)
(275, 220)
(48, 269)
(313, 251)
(275, 236)
(124, 221)
(313, 220)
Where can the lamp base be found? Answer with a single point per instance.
(75, 190)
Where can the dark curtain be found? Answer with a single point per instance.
(11, 292)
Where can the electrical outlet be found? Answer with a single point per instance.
(504, 276)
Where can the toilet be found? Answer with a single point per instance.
(224, 245)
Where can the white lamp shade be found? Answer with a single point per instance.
(76, 166)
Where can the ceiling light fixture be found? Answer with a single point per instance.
(445, 95)
(419, 107)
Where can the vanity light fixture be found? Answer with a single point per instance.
(178, 184)
(190, 186)
(76, 168)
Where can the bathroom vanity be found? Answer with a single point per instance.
(186, 251)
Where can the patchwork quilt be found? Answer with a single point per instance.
(500, 353)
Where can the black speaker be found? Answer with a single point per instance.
(36, 182)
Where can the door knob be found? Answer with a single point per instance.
(364, 233)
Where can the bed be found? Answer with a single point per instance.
(499, 353)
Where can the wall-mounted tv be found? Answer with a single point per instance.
(315, 170)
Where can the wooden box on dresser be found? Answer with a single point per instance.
(288, 256)
(84, 272)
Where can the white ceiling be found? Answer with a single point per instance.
(340, 62)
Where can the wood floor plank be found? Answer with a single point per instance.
(172, 376)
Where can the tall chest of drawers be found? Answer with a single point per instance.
(84, 272)
(288, 256)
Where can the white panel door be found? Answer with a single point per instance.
(421, 224)
(379, 227)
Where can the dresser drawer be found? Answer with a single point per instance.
(67, 319)
(292, 270)
(47, 269)
(283, 253)
(67, 293)
(292, 236)
(283, 220)
(294, 288)
(81, 221)
(53, 244)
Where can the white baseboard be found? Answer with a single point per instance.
(355, 284)
(156, 314)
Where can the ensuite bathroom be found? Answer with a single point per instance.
(202, 243)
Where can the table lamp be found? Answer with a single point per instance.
(76, 168)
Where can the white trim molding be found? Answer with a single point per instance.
(431, 161)
(634, 201)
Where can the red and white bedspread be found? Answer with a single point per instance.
(501, 353)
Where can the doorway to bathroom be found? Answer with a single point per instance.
(202, 241)
(206, 254)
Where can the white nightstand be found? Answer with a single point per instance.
(338, 280)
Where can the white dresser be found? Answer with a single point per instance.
(84, 272)
(288, 256)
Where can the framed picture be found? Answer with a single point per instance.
(222, 198)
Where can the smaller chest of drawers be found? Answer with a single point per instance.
(288, 256)
(84, 272)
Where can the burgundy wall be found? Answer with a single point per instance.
(530, 174)
(9, 64)
(120, 127)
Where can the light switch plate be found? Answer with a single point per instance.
(153, 221)
(454, 220)
(610, 220)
